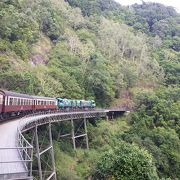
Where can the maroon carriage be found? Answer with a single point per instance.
(1, 101)
(44, 103)
(12, 103)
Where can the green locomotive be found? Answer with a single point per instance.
(75, 104)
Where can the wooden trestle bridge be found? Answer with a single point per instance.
(16, 152)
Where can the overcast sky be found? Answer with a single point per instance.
(174, 3)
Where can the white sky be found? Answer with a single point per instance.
(174, 3)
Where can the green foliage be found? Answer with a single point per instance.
(80, 163)
(155, 126)
(21, 49)
(64, 165)
(95, 6)
(125, 161)
(94, 49)
(50, 20)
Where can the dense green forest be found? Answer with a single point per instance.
(118, 56)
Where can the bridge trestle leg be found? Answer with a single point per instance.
(73, 134)
(77, 134)
(52, 152)
(86, 135)
(39, 153)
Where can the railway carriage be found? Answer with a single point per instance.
(44, 103)
(12, 103)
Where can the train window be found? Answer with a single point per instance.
(14, 101)
(1, 99)
(18, 101)
(11, 101)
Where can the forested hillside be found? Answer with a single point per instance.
(118, 56)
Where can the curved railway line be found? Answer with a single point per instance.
(16, 153)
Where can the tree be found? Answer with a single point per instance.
(125, 162)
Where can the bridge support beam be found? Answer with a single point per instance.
(73, 134)
(76, 135)
(86, 135)
(40, 152)
(52, 153)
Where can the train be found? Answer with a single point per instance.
(15, 104)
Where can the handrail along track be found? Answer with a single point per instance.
(25, 148)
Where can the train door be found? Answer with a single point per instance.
(1, 102)
(34, 105)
